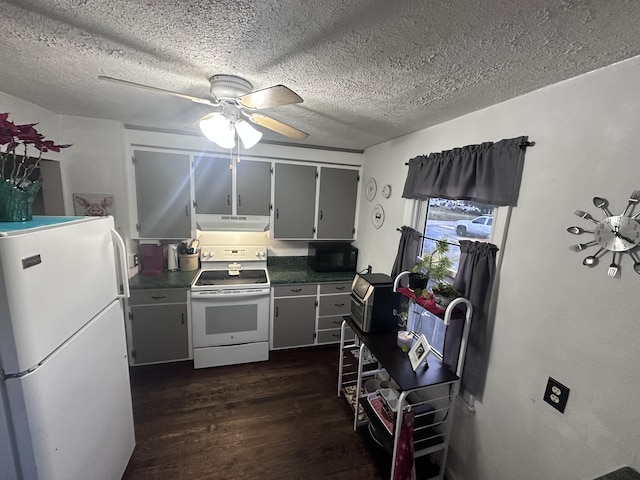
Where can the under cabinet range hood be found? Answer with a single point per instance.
(232, 223)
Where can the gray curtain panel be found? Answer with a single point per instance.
(474, 280)
(408, 250)
(487, 173)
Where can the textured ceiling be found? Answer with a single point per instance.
(368, 70)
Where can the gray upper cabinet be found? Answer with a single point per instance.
(163, 194)
(253, 188)
(215, 194)
(212, 180)
(294, 201)
(337, 203)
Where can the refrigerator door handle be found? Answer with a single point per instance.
(122, 255)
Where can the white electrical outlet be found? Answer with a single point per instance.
(133, 260)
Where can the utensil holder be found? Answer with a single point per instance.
(188, 262)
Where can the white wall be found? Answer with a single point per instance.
(554, 316)
(21, 112)
(94, 164)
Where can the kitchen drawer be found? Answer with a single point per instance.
(296, 290)
(338, 287)
(327, 323)
(335, 305)
(164, 295)
(331, 336)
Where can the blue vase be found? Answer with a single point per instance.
(16, 203)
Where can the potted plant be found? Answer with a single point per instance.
(433, 266)
(17, 191)
(444, 294)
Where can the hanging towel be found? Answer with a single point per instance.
(404, 468)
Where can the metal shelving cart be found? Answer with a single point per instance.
(429, 392)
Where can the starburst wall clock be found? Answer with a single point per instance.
(618, 234)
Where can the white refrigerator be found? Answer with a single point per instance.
(65, 396)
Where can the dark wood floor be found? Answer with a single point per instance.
(279, 419)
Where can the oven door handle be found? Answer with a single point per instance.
(251, 292)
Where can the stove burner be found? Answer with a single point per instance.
(222, 277)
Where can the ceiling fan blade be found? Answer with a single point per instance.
(204, 101)
(278, 126)
(270, 97)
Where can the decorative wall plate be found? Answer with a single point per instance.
(614, 233)
(370, 189)
(377, 216)
(386, 191)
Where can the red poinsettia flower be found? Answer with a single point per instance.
(14, 166)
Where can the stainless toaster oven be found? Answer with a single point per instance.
(373, 302)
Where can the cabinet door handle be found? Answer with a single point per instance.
(277, 213)
(239, 200)
(276, 311)
(158, 297)
(186, 209)
(182, 318)
(341, 288)
(296, 290)
(321, 214)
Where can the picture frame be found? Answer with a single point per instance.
(93, 204)
(419, 352)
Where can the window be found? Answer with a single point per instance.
(454, 220)
(450, 220)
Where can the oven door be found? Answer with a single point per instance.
(230, 317)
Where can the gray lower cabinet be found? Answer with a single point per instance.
(306, 314)
(158, 326)
(294, 201)
(163, 194)
(294, 315)
(337, 203)
(334, 302)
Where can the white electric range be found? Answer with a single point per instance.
(230, 306)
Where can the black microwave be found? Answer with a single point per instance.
(332, 257)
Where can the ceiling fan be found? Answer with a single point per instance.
(234, 100)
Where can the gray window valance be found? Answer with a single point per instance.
(487, 173)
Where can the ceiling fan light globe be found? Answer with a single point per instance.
(249, 135)
(219, 130)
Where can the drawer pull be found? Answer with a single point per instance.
(341, 288)
(296, 290)
(339, 304)
(338, 322)
(158, 297)
(335, 335)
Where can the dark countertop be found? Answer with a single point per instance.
(177, 279)
(282, 270)
(625, 473)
